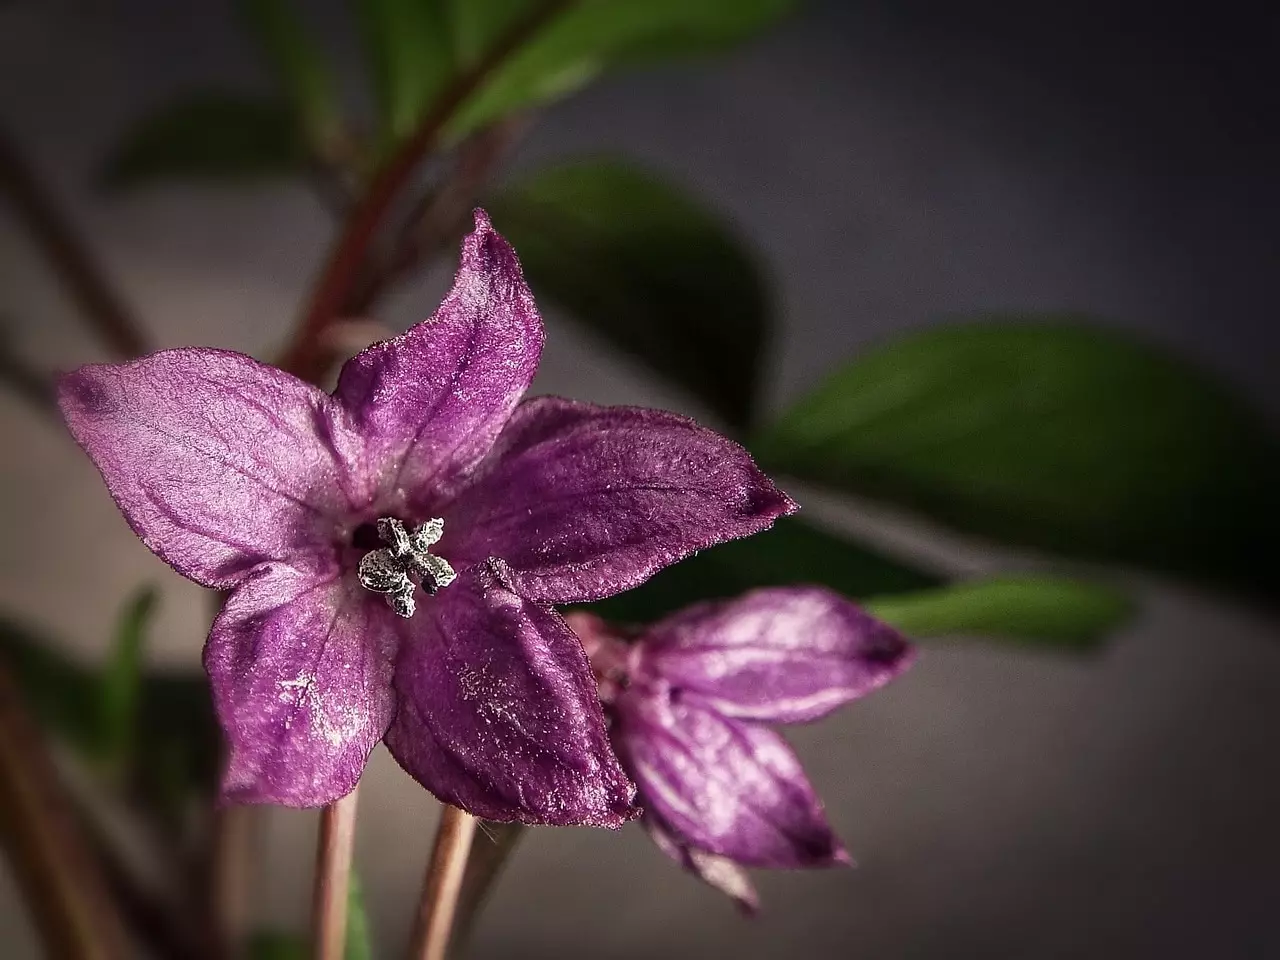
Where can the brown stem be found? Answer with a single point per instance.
(87, 284)
(441, 216)
(64, 885)
(333, 878)
(329, 299)
(230, 873)
(27, 382)
(488, 857)
(443, 884)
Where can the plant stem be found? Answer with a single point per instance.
(333, 878)
(230, 873)
(440, 216)
(443, 884)
(27, 382)
(66, 891)
(329, 298)
(87, 284)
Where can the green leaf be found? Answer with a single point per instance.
(644, 266)
(278, 945)
(179, 742)
(359, 945)
(175, 738)
(298, 64)
(1054, 435)
(790, 552)
(212, 137)
(589, 36)
(275, 945)
(120, 686)
(408, 46)
(1040, 611)
(61, 694)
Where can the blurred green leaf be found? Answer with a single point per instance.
(179, 742)
(276, 945)
(790, 552)
(644, 266)
(209, 136)
(175, 739)
(408, 45)
(1040, 611)
(359, 944)
(1055, 435)
(120, 685)
(584, 38)
(60, 693)
(298, 64)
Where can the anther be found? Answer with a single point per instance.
(405, 561)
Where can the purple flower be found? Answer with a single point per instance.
(686, 699)
(393, 549)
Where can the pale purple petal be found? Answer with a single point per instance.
(719, 872)
(498, 711)
(430, 403)
(583, 502)
(783, 654)
(729, 788)
(218, 462)
(301, 673)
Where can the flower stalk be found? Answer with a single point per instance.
(66, 891)
(102, 307)
(333, 878)
(346, 263)
(440, 891)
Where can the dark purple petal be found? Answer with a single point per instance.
(498, 711)
(583, 502)
(727, 787)
(301, 673)
(719, 872)
(783, 654)
(217, 461)
(430, 403)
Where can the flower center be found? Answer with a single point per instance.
(393, 570)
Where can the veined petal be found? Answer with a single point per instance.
(729, 788)
(218, 462)
(498, 711)
(719, 872)
(301, 671)
(583, 502)
(430, 403)
(784, 654)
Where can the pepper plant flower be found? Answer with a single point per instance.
(393, 549)
(686, 699)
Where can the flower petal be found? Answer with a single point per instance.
(498, 711)
(218, 462)
(430, 403)
(783, 654)
(732, 789)
(719, 872)
(583, 502)
(301, 671)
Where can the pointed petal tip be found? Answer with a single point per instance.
(482, 222)
(840, 857)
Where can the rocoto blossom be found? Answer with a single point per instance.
(393, 549)
(687, 698)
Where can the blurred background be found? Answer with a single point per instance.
(892, 166)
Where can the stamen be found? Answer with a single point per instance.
(393, 570)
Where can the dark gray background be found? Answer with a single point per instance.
(894, 164)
